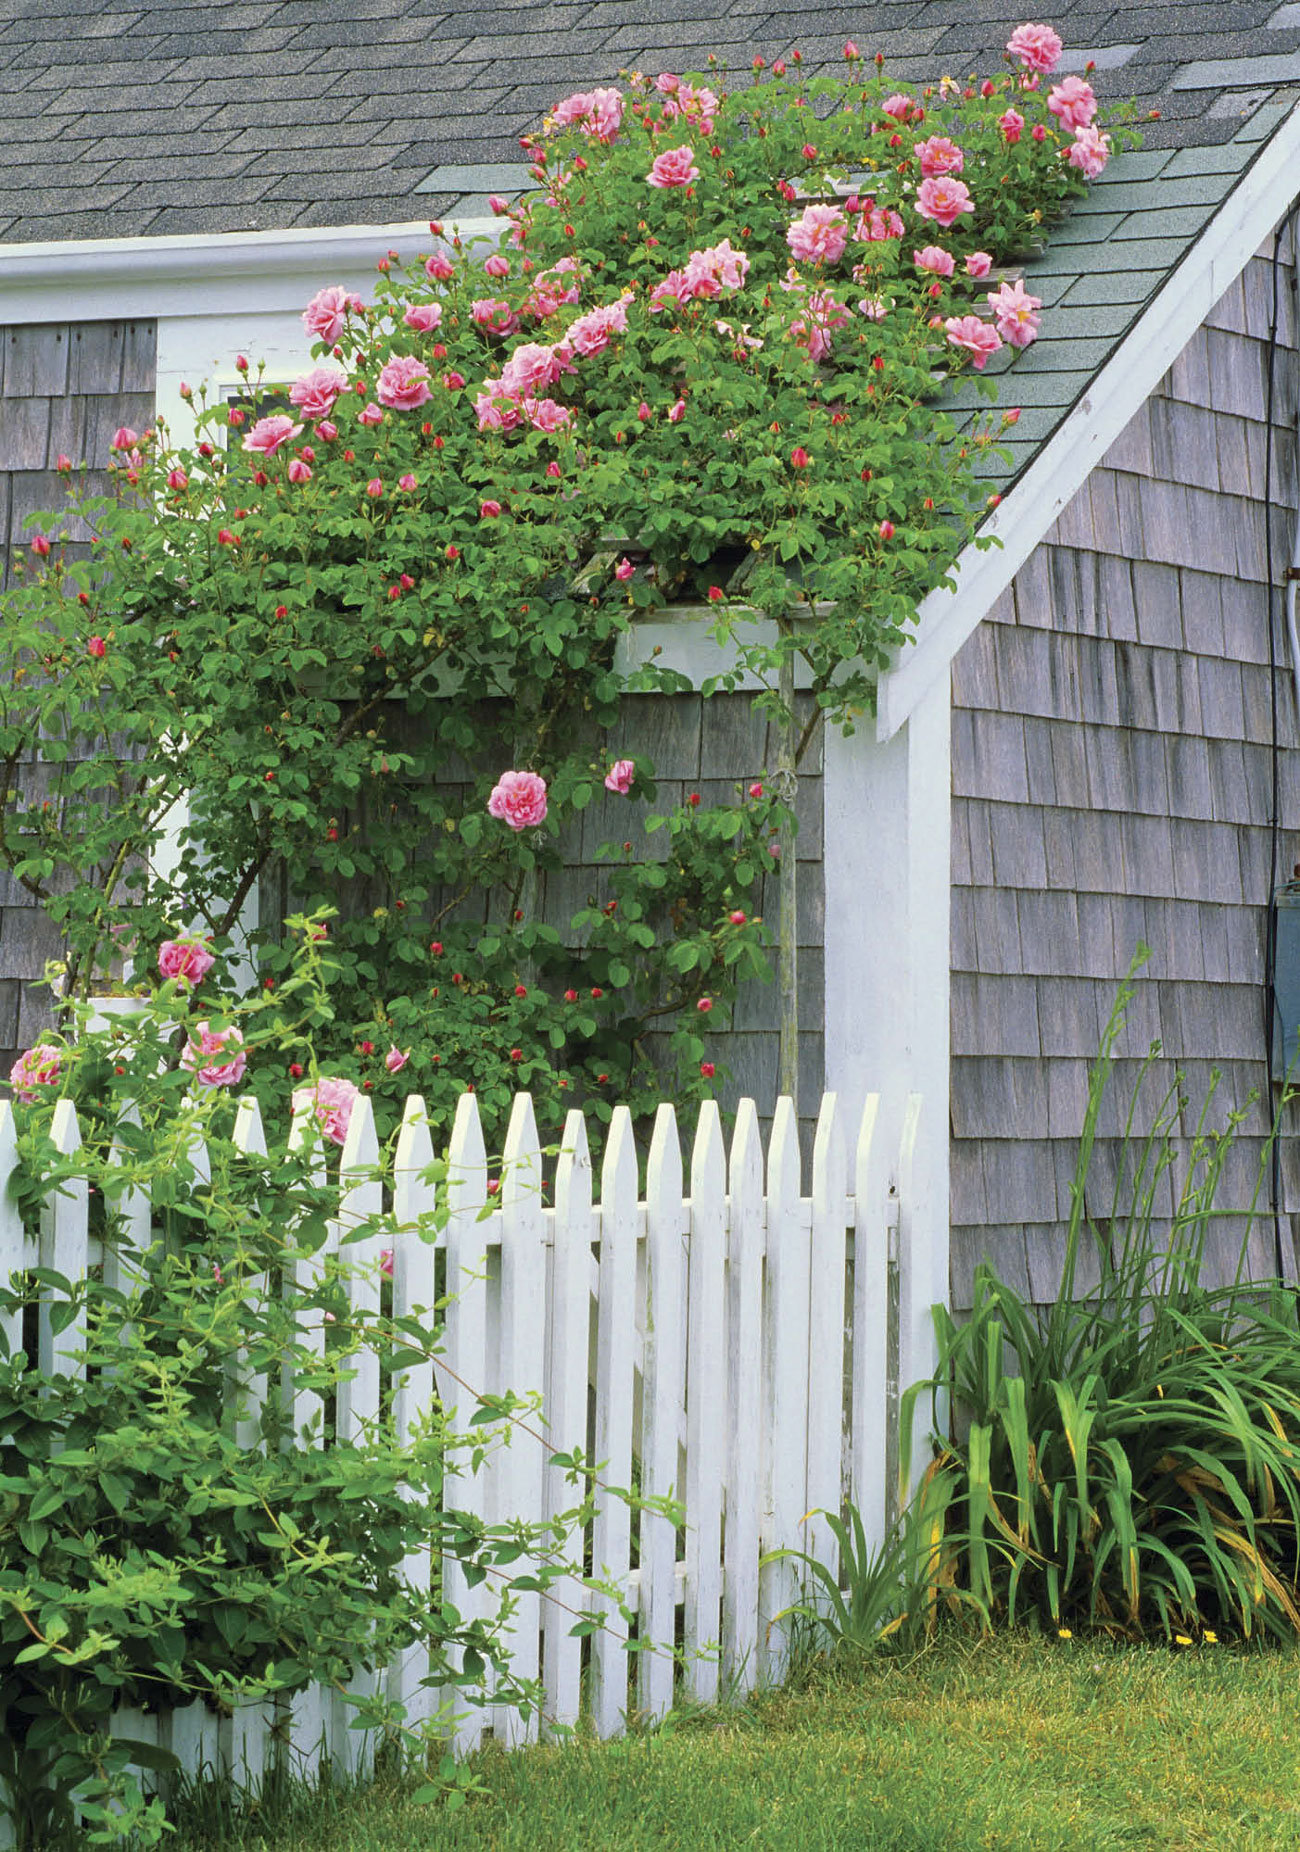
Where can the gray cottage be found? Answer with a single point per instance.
(1093, 740)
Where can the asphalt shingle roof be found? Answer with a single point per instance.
(140, 119)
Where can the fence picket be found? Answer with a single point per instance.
(869, 1449)
(569, 1337)
(611, 1532)
(13, 1243)
(662, 1396)
(414, 1295)
(248, 1389)
(740, 1639)
(523, 1372)
(462, 1368)
(826, 1333)
(917, 1290)
(707, 1410)
(64, 1246)
(786, 1479)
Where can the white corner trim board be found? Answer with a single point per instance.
(1229, 241)
(197, 274)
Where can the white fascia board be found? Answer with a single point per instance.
(197, 274)
(1231, 238)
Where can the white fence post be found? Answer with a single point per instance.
(708, 1414)
(745, 1401)
(826, 1335)
(568, 1338)
(414, 1292)
(661, 1404)
(616, 1335)
(786, 1479)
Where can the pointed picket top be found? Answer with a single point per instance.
(745, 1170)
(708, 1153)
(413, 1157)
(573, 1167)
(664, 1169)
(863, 1154)
(361, 1146)
(706, 1403)
(618, 1172)
(249, 1136)
(829, 1161)
(467, 1154)
(784, 1167)
(521, 1166)
(65, 1132)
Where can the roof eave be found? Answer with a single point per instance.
(945, 617)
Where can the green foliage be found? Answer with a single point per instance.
(312, 660)
(1130, 1460)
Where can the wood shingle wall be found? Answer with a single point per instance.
(1111, 784)
(64, 390)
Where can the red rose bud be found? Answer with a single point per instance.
(406, 582)
(435, 226)
(452, 553)
(707, 1069)
(693, 799)
(241, 366)
(737, 918)
(516, 1054)
(225, 538)
(96, 646)
(295, 1070)
(799, 458)
(63, 465)
(436, 947)
(597, 992)
(705, 1004)
(851, 51)
(570, 996)
(40, 546)
(83, 598)
(715, 594)
(886, 530)
(489, 510)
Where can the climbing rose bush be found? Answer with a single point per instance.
(374, 625)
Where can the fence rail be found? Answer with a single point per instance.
(726, 1340)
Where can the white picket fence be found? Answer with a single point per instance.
(730, 1344)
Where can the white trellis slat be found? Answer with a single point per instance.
(707, 1411)
(568, 1336)
(611, 1532)
(414, 1295)
(826, 1334)
(745, 1400)
(663, 1377)
(464, 1358)
(786, 1436)
(703, 1342)
(523, 1371)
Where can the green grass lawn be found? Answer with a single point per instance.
(1022, 1745)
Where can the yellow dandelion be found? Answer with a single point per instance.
(1063, 1633)
(1182, 1639)
(1210, 1637)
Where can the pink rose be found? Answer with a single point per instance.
(375, 488)
(386, 1262)
(440, 268)
(1012, 125)
(880, 222)
(314, 394)
(404, 383)
(1015, 313)
(819, 235)
(897, 106)
(177, 479)
(408, 482)
(395, 1060)
(187, 961)
(547, 414)
(519, 799)
(332, 1100)
(939, 156)
(498, 265)
(624, 570)
(495, 411)
(268, 434)
(1072, 103)
(590, 333)
(424, 316)
(677, 411)
(978, 264)
(96, 646)
(620, 775)
(530, 365)
(298, 471)
(370, 415)
(976, 337)
(675, 167)
(38, 1067)
(1036, 48)
(935, 260)
(1089, 152)
(198, 1056)
(943, 200)
(493, 315)
(124, 438)
(327, 312)
(596, 112)
(326, 431)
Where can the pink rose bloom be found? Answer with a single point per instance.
(298, 471)
(124, 438)
(1015, 313)
(404, 383)
(976, 337)
(493, 316)
(495, 412)
(898, 106)
(327, 312)
(1012, 125)
(268, 434)
(604, 114)
(375, 488)
(1035, 48)
(440, 268)
(547, 414)
(199, 1056)
(1089, 152)
(408, 482)
(624, 570)
(395, 1060)
(819, 235)
(423, 316)
(386, 1257)
(875, 308)
(38, 1067)
(187, 961)
(370, 415)
(675, 167)
(177, 479)
(1072, 102)
(591, 332)
(332, 1100)
(314, 394)
(666, 83)
(710, 271)
(530, 365)
(551, 288)
(943, 200)
(620, 775)
(939, 156)
(934, 259)
(879, 222)
(326, 431)
(498, 265)
(978, 264)
(673, 292)
(677, 411)
(519, 799)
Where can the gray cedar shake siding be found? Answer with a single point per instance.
(64, 390)
(1111, 783)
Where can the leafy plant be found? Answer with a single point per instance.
(1131, 1458)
